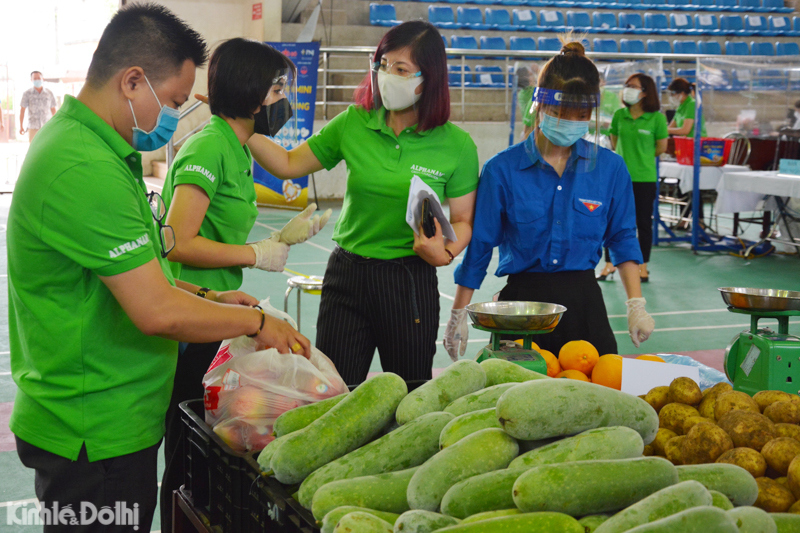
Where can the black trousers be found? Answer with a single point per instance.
(128, 482)
(193, 362)
(644, 195)
(371, 303)
(585, 318)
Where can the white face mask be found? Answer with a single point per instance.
(675, 100)
(631, 96)
(398, 92)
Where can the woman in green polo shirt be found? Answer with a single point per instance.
(682, 124)
(380, 288)
(638, 133)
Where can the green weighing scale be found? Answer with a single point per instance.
(519, 319)
(758, 358)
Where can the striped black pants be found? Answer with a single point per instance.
(371, 303)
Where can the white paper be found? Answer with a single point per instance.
(418, 191)
(754, 20)
(681, 20)
(549, 16)
(778, 22)
(640, 376)
(705, 20)
(525, 15)
(486, 79)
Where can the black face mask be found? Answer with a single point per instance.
(273, 117)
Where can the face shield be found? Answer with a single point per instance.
(394, 85)
(276, 117)
(562, 120)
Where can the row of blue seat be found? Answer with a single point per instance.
(668, 5)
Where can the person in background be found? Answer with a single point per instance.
(526, 83)
(639, 134)
(37, 101)
(95, 315)
(380, 287)
(550, 204)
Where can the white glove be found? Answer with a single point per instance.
(456, 334)
(270, 254)
(640, 323)
(303, 226)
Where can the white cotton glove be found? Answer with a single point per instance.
(456, 334)
(303, 226)
(270, 254)
(640, 323)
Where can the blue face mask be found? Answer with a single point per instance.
(562, 132)
(160, 135)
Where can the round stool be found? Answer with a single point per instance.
(310, 285)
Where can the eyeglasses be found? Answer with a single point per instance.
(165, 232)
(629, 86)
(396, 69)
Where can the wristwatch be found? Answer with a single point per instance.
(202, 292)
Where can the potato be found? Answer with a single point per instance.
(648, 450)
(704, 443)
(783, 412)
(717, 389)
(782, 480)
(766, 397)
(793, 477)
(788, 430)
(662, 437)
(658, 397)
(780, 452)
(772, 496)
(673, 450)
(673, 415)
(748, 429)
(728, 401)
(795, 508)
(692, 421)
(685, 390)
(747, 458)
(706, 407)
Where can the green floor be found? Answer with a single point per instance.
(682, 296)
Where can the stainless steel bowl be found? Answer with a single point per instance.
(517, 316)
(761, 299)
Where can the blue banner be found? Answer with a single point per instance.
(293, 193)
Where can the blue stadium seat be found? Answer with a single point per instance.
(471, 18)
(631, 4)
(758, 25)
(658, 23)
(549, 43)
(454, 75)
(493, 43)
(659, 4)
(631, 46)
(706, 5)
(442, 17)
(781, 24)
(522, 43)
(464, 41)
(748, 5)
(605, 22)
(445, 42)
(684, 47)
(736, 48)
(486, 76)
(776, 6)
(682, 23)
(761, 49)
(579, 21)
(605, 46)
(787, 49)
(524, 19)
(796, 23)
(498, 19)
(689, 74)
(710, 48)
(727, 5)
(706, 23)
(383, 15)
(655, 46)
(732, 25)
(551, 20)
(682, 5)
(632, 23)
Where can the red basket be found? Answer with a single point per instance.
(713, 151)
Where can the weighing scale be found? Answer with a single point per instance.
(758, 358)
(519, 319)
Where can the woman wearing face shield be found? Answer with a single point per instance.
(380, 287)
(550, 204)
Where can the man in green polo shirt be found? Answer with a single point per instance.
(94, 312)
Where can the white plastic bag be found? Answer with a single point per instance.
(246, 390)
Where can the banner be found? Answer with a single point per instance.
(293, 193)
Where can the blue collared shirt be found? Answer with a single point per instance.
(543, 223)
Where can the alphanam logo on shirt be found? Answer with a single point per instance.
(431, 173)
(591, 205)
(129, 246)
(200, 170)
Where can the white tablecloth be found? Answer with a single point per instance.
(740, 192)
(709, 176)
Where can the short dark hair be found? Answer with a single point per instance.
(36, 72)
(240, 75)
(650, 102)
(427, 51)
(680, 85)
(149, 36)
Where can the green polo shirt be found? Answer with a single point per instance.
(636, 141)
(686, 110)
(380, 167)
(216, 161)
(84, 371)
(525, 101)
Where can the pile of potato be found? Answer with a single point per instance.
(759, 433)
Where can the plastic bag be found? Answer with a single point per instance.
(708, 376)
(246, 389)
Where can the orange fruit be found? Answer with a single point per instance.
(573, 374)
(553, 368)
(578, 355)
(651, 357)
(533, 344)
(608, 371)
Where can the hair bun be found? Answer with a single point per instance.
(573, 48)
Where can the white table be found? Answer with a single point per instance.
(709, 176)
(740, 192)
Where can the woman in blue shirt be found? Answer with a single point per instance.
(550, 204)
